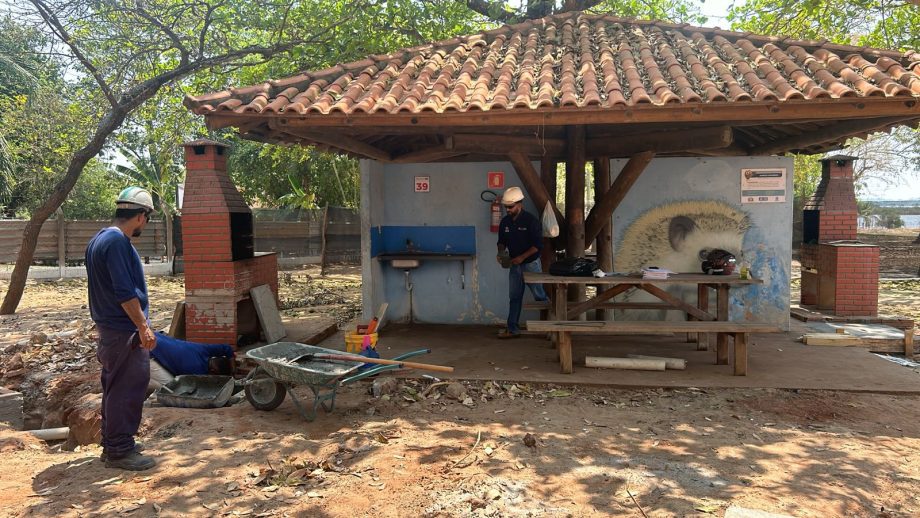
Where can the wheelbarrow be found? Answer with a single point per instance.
(285, 365)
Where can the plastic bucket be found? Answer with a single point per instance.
(354, 342)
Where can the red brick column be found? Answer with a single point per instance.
(849, 278)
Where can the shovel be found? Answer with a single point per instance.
(362, 359)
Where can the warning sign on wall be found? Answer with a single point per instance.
(496, 179)
(422, 184)
(763, 185)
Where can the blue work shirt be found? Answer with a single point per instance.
(115, 275)
(520, 234)
(181, 357)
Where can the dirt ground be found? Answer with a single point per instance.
(473, 449)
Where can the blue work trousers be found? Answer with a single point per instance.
(516, 292)
(125, 375)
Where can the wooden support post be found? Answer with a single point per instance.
(575, 200)
(909, 343)
(565, 351)
(740, 354)
(604, 241)
(560, 308)
(702, 302)
(613, 194)
(322, 253)
(548, 253)
(722, 312)
(62, 242)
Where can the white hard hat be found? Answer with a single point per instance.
(134, 198)
(512, 195)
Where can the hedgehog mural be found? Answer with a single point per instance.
(675, 236)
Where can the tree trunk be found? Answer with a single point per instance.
(112, 120)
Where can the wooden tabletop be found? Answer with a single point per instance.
(676, 278)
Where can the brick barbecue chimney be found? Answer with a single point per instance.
(220, 265)
(839, 273)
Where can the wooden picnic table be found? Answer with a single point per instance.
(562, 316)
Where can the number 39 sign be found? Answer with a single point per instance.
(422, 184)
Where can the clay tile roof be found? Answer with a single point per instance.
(578, 60)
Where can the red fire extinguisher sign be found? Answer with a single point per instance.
(496, 179)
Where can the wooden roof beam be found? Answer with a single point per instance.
(533, 184)
(662, 142)
(826, 135)
(500, 144)
(342, 142)
(600, 215)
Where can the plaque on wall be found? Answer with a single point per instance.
(763, 185)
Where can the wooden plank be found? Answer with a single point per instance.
(560, 307)
(264, 301)
(741, 354)
(644, 326)
(595, 301)
(340, 141)
(575, 200)
(678, 278)
(723, 113)
(177, 325)
(603, 242)
(833, 339)
(600, 215)
(676, 302)
(909, 343)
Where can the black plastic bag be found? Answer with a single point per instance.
(573, 266)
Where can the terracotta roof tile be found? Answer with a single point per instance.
(579, 60)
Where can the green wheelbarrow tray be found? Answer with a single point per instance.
(283, 366)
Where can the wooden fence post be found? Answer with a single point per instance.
(62, 242)
(322, 253)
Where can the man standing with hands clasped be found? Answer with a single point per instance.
(118, 306)
(520, 236)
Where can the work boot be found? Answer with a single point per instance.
(133, 461)
(138, 447)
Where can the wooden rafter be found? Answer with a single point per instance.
(601, 213)
(533, 184)
(500, 144)
(828, 134)
(342, 142)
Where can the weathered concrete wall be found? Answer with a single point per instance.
(707, 192)
(440, 295)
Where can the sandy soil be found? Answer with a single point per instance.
(421, 452)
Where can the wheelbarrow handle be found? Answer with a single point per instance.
(381, 361)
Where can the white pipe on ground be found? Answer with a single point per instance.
(677, 364)
(51, 434)
(624, 363)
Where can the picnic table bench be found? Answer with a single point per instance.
(700, 324)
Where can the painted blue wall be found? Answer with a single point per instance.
(439, 295)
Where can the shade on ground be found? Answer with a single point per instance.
(774, 361)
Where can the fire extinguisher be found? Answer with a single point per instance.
(495, 210)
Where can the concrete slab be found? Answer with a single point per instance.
(775, 360)
(264, 301)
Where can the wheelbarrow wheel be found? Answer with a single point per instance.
(264, 393)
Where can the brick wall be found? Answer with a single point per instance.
(215, 285)
(848, 278)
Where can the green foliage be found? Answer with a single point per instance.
(877, 23)
(266, 173)
(806, 176)
(93, 197)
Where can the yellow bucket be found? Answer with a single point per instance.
(354, 342)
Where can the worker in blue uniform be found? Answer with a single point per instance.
(520, 238)
(118, 306)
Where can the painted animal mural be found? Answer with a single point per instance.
(675, 236)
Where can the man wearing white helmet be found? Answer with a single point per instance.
(118, 306)
(520, 236)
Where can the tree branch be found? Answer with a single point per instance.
(58, 28)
